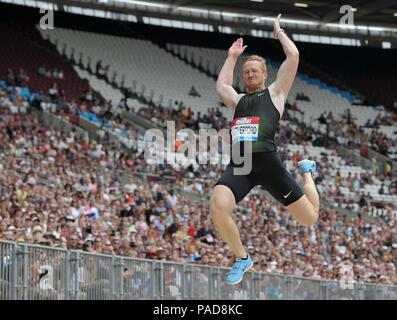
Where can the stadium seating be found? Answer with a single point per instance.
(19, 52)
(143, 62)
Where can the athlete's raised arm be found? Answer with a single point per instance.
(224, 84)
(286, 73)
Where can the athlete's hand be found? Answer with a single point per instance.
(276, 25)
(237, 48)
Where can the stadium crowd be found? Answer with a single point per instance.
(346, 132)
(62, 191)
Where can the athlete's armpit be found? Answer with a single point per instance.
(228, 95)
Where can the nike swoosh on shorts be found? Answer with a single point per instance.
(286, 196)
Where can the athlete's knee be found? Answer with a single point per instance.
(304, 211)
(220, 204)
(311, 218)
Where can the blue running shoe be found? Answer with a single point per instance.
(307, 166)
(238, 269)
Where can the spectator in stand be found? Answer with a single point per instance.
(193, 92)
(53, 91)
(205, 234)
(297, 157)
(98, 68)
(364, 151)
(42, 69)
(101, 71)
(10, 78)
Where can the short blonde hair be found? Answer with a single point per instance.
(257, 58)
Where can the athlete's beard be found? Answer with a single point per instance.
(255, 89)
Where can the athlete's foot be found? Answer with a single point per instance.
(307, 166)
(240, 267)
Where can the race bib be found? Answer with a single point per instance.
(245, 129)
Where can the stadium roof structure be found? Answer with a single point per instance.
(373, 21)
(382, 13)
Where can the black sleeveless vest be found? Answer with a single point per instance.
(256, 119)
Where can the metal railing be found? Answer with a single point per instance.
(31, 272)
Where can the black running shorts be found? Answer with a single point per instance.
(267, 171)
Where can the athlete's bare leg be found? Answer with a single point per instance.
(222, 204)
(306, 209)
